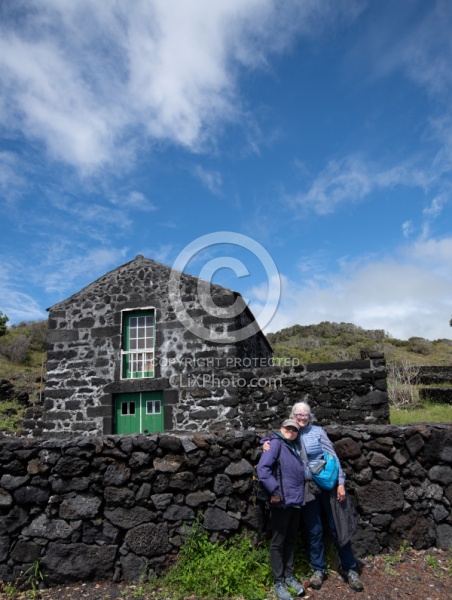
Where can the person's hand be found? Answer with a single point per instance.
(266, 446)
(275, 499)
(341, 492)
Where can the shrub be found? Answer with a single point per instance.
(419, 345)
(38, 334)
(402, 379)
(3, 320)
(16, 348)
(216, 571)
(10, 414)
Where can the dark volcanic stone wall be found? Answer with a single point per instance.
(348, 392)
(441, 376)
(428, 375)
(232, 394)
(84, 347)
(116, 506)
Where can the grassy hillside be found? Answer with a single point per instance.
(22, 364)
(22, 356)
(343, 341)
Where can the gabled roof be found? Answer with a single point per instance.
(137, 262)
(98, 287)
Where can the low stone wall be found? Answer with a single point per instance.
(429, 375)
(436, 395)
(118, 506)
(231, 393)
(345, 392)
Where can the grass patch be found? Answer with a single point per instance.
(215, 571)
(233, 570)
(428, 413)
(10, 413)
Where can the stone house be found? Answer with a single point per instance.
(128, 353)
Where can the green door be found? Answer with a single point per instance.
(140, 412)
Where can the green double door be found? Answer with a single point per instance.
(139, 412)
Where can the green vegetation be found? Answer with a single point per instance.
(22, 362)
(399, 556)
(331, 342)
(34, 578)
(235, 569)
(27, 587)
(426, 413)
(10, 413)
(3, 320)
(215, 571)
(344, 341)
(23, 356)
(442, 566)
(20, 342)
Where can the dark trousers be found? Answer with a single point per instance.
(285, 523)
(312, 518)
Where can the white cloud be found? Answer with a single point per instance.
(11, 183)
(86, 78)
(134, 200)
(21, 307)
(433, 255)
(212, 180)
(13, 303)
(436, 206)
(91, 217)
(425, 50)
(349, 180)
(407, 228)
(66, 274)
(407, 296)
(413, 38)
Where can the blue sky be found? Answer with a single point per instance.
(322, 130)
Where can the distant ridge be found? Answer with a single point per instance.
(329, 341)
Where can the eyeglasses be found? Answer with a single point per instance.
(302, 415)
(292, 429)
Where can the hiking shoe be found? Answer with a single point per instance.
(354, 581)
(295, 585)
(316, 580)
(281, 592)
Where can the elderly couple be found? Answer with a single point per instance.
(282, 470)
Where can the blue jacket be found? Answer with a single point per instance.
(290, 471)
(316, 441)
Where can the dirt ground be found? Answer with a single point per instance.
(424, 575)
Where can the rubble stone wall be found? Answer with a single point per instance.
(84, 345)
(96, 507)
(232, 393)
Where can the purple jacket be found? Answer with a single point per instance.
(290, 471)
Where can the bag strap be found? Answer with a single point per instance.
(303, 453)
(277, 463)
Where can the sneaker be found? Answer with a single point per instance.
(281, 592)
(295, 585)
(316, 580)
(354, 581)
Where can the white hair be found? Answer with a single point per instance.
(301, 406)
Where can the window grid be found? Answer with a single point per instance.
(128, 408)
(138, 355)
(153, 407)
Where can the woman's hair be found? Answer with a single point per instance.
(298, 406)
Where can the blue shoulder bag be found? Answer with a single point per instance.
(326, 477)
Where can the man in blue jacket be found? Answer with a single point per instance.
(281, 472)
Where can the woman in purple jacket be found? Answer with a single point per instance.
(281, 472)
